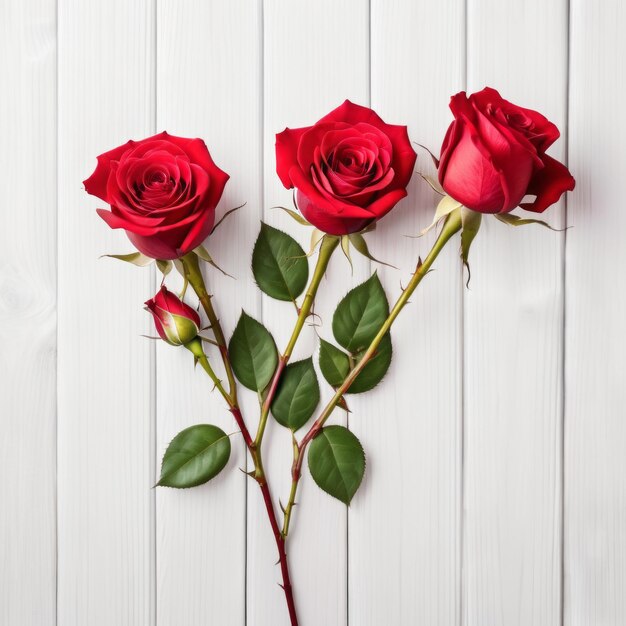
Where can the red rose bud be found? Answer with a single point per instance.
(162, 190)
(349, 170)
(176, 322)
(494, 154)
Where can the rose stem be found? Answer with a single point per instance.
(194, 276)
(329, 243)
(451, 226)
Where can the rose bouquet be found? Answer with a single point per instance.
(347, 171)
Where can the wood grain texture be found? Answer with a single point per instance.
(460, 517)
(316, 56)
(206, 89)
(404, 524)
(595, 428)
(513, 347)
(28, 314)
(105, 368)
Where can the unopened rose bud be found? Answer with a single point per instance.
(176, 322)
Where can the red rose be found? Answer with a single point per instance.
(176, 322)
(494, 154)
(163, 191)
(349, 169)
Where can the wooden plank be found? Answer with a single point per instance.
(208, 82)
(316, 56)
(105, 368)
(595, 430)
(513, 347)
(28, 314)
(405, 524)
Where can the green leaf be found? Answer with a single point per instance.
(136, 258)
(279, 264)
(298, 395)
(360, 315)
(194, 456)
(375, 370)
(337, 462)
(253, 353)
(334, 363)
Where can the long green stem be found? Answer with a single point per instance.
(451, 226)
(329, 243)
(195, 347)
(194, 276)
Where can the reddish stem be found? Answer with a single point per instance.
(196, 280)
(271, 514)
(282, 552)
(236, 411)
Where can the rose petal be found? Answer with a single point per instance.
(351, 113)
(468, 173)
(543, 133)
(96, 184)
(548, 184)
(287, 144)
(513, 159)
(326, 221)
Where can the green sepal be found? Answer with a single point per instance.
(136, 258)
(203, 254)
(194, 456)
(223, 218)
(360, 314)
(279, 264)
(446, 205)
(297, 396)
(360, 245)
(337, 462)
(433, 183)
(316, 236)
(345, 248)
(253, 353)
(432, 156)
(165, 266)
(334, 363)
(294, 215)
(470, 221)
(516, 220)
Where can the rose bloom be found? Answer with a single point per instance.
(176, 322)
(349, 169)
(162, 190)
(494, 154)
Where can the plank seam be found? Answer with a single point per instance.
(56, 340)
(462, 433)
(153, 356)
(564, 313)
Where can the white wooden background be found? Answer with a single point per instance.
(495, 492)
